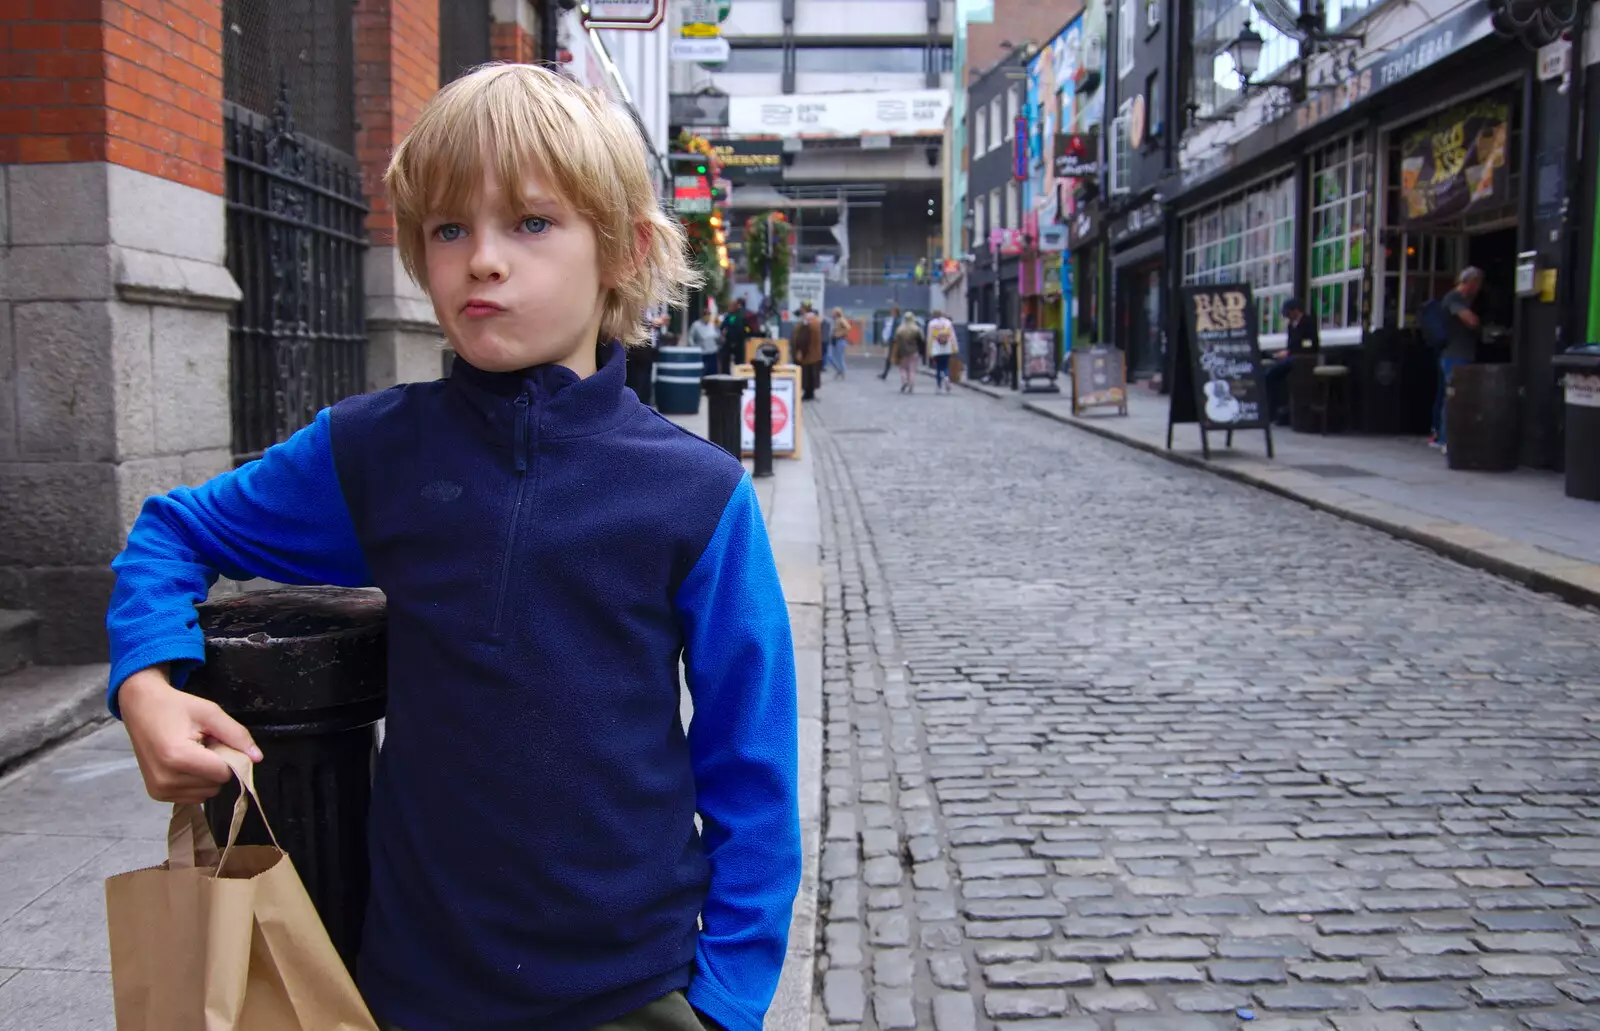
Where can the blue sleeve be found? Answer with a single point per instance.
(282, 517)
(744, 744)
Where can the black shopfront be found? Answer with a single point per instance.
(1324, 204)
(994, 216)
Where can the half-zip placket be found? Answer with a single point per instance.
(519, 453)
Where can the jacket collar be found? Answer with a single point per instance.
(565, 404)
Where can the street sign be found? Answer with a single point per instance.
(637, 15)
(700, 51)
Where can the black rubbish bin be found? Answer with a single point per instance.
(306, 670)
(1580, 373)
(1483, 417)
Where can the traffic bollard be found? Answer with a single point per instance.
(724, 395)
(765, 358)
(305, 669)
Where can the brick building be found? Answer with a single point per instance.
(195, 253)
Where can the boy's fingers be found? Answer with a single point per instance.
(224, 728)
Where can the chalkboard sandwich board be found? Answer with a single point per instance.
(1221, 384)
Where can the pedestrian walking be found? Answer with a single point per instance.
(941, 345)
(805, 348)
(704, 335)
(736, 329)
(839, 343)
(889, 326)
(905, 348)
(549, 549)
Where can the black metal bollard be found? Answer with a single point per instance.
(724, 394)
(306, 670)
(765, 358)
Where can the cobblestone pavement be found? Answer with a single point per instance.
(1117, 745)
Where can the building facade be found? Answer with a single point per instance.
(996, 179)
(195, 250)
(1364, 164)
(833, 113)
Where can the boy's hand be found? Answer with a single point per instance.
(169, 728)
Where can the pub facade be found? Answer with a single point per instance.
(1360, 166)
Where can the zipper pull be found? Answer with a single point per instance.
(519, 437)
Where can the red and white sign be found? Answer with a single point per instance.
(783, 402)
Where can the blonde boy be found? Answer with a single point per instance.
(550, 548)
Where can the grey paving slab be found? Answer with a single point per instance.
(64, 928)
(1116, 743)
(82, 791)
(35, 863)
(56, 1000)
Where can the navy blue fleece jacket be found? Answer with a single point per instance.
(549, 548)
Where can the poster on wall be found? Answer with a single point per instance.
(1456, 164)
(1226, 388)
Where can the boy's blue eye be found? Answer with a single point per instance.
(448, 232)
(535, 225)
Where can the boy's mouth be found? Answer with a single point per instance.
(479, 308)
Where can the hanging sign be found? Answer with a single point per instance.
(638, 15)
(1019, 148)
(1076, 156)
(1456, 163)
(702, 19)
(1227, 389)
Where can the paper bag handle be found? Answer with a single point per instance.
(190, 842)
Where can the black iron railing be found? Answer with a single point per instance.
(296, 242)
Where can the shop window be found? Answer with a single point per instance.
(1125, 31)
(1339, 233)
(1121, 160)
(1154, 104)
(1246, 238)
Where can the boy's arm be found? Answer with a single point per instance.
(743, 742)
(282, 518)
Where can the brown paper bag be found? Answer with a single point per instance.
(229, 942)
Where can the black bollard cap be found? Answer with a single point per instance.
(308, 658)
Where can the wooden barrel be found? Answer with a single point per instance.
(1483, 417)
(678, 373)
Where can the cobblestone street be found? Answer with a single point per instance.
(1114, 744)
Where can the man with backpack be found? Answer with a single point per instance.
(1451, 327)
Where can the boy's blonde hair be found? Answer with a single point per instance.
(522, 119)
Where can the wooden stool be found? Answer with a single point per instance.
(1332, 382)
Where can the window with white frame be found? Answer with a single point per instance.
(1338, 232)
(1247, 237)
(995, 214)
(994, 123)
(1013, 217)
(1152, 15)
(1125, 30)
(980, 223)
(1011, 112)
(1121, 158)
(980, 138)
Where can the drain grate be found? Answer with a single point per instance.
(1334, 472)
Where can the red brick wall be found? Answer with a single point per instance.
(397, 70)
(513, 43)
(1018, 22)
(133, 82)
